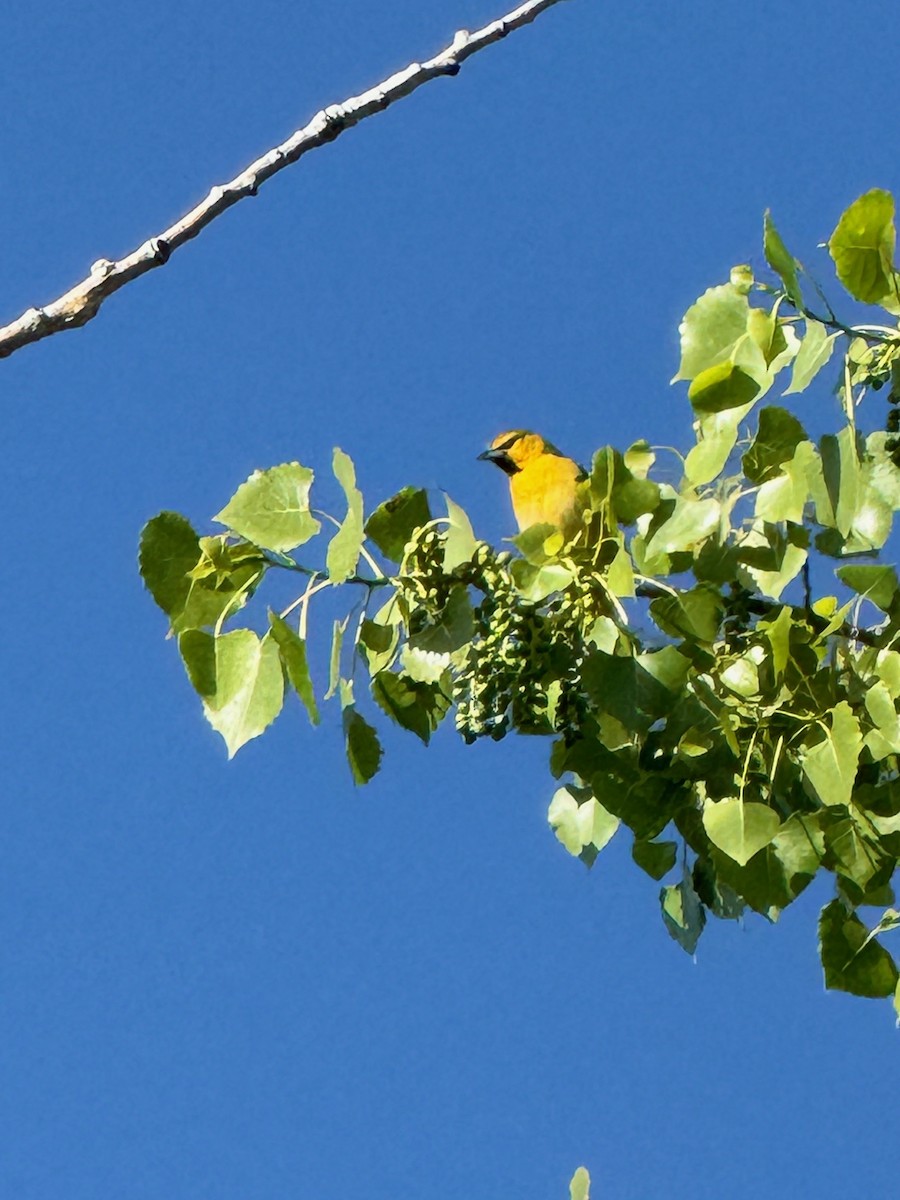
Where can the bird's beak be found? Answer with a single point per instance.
(501, 459)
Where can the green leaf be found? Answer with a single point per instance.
(656, 858)
(393, 523)
(777, 631)
(851, 962)
(344, 547)
(710, 329)
(169, 550)
(695, 614)
(583, 828)
(378, 641)
(683, 914)
(690, 524)
(361, 743)
(814, 353)
(614, 487)
(837, 495)
(877, 583)
(221, 582)
(850, 853)
(454, 628)
(777, 437)
(249, 687)
(783, 497)
(198, 652)
(460, 541)
(781, 261)
(418, 707)
(830, 765)
(740, 828)
(621, 687)
(724, 386)
(272, 508)
(862, 247)
(293, 657)
(580, 1185)
(337, 641)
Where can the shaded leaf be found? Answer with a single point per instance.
(850, 961)
(393, 523)
(695, 614)
(877, 583)
(656, 858)
(198, 652)
(777, 437)
(621, 687)
(362, 745)
(683, 914)
(724, 386)
(169, 549)
(418, 707)
(296, 666)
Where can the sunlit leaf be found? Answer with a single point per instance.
(580, 826)
(272, 508)
(344, 547)
(781, 261)
(580, 1185)
(862, 247)
(740, 828)
(830, 764)
(710, 329)
(249, 687)
(460, 541)
(815, 352)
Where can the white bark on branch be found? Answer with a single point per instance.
(83, 301)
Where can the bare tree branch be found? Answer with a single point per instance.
(83, 301)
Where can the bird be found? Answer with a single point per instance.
(543, 482)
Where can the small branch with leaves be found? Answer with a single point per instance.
(695, 689)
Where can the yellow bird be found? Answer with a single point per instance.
(543, 483)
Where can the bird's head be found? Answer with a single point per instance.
(513, 450)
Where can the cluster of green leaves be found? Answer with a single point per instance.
(745, 730)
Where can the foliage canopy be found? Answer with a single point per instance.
(706, 678)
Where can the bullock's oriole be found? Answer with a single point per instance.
(543, 483)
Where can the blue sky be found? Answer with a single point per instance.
(249, 979)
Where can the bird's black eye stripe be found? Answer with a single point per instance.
(509, 443)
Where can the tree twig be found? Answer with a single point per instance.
(82, 302)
